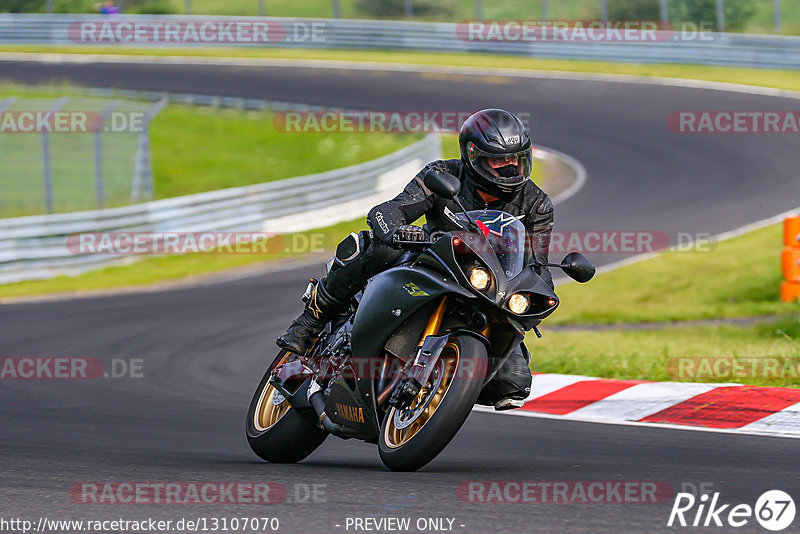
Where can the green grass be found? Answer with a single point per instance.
(198, 150)
(739, 278)
(781, 79)
(194, 149)
(653, 354)
(761, 22)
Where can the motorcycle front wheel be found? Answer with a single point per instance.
(412, 437)
(275, 431)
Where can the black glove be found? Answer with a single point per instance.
(407, 233)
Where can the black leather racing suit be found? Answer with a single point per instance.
(530, 203)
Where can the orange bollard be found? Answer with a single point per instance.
(790, 292)
(790, 261)
(791, 232)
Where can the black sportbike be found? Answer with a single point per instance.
(405, 365)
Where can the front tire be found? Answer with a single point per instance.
(409, 439)
(277, 432)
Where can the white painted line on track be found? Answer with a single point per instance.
(742, 431)
(577, 168)
(730, 234)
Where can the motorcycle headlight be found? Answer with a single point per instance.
(519, 303)
(479, 278)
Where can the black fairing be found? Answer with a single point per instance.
(389, 292)
(392, 297)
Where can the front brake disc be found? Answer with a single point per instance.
(404, 418)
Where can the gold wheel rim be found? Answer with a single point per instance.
(268, 413)
(396, 437)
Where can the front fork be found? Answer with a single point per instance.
(429, 349)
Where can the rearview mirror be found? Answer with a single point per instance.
(442, 183)
(578, 267)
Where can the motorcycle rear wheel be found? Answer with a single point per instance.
(277, 432)
(409, 442)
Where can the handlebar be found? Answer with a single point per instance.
(415, 244)
(434, 237)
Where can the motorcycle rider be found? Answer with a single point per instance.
(494, 170)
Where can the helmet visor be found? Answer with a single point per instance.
(511, 169)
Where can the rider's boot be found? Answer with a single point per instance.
(320, 308)
(508, 404)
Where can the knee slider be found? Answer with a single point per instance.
(351, 247)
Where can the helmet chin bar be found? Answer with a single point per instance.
(491, 187)
(496, 186)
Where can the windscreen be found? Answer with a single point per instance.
(505, 235)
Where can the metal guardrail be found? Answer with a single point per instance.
(722, 48)
(36, 247)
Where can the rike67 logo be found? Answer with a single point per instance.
(774, 510)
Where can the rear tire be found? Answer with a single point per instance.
(277, 432)
(462, 367)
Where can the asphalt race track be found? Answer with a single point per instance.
(203, 349)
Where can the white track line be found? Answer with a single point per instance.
(577, 168)
(736, 232)
(742, 431)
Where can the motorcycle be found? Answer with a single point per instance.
(404, 365)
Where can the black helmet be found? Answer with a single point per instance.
(496, 149)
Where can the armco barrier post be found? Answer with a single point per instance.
(143, 167)
(46, 160)
(790, 261)
(99, 182)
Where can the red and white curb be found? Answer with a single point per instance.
(691, 406)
